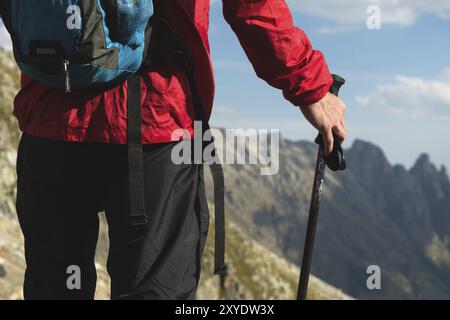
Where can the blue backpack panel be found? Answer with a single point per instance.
(78, 43)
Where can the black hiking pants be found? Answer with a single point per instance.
(62, 186)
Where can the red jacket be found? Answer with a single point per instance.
(280, 53)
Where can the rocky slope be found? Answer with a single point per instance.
(257, 273)
(9, 137)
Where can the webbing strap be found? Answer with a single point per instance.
(219, 214)
(135, 153)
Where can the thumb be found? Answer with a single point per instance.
(328, 141)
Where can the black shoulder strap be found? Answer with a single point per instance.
(138, 214)
(159, 6)
(135, 153)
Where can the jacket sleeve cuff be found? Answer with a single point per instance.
(313, 96)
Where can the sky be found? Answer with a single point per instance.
(398, 77)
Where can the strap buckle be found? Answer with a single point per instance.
(139, 220)
(222, 271)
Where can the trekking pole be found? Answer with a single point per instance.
(336, 162)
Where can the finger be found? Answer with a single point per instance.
(344, 128)
(340, 133)
(344, 125)
(328, 141)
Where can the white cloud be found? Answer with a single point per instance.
(412, 97)
(362, 101)
(394, 12)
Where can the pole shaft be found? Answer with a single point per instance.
(312, 226)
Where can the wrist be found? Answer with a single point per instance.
(314, 97)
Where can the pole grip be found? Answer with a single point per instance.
(338, 82)
(336, 160)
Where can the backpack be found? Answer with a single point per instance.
(88, 43)
(78, 43)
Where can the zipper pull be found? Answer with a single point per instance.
(67, 85)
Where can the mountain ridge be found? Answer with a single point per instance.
(373, 213)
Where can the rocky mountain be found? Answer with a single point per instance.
(255, 271)
(372, 214)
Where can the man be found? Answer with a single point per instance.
(72, 160)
